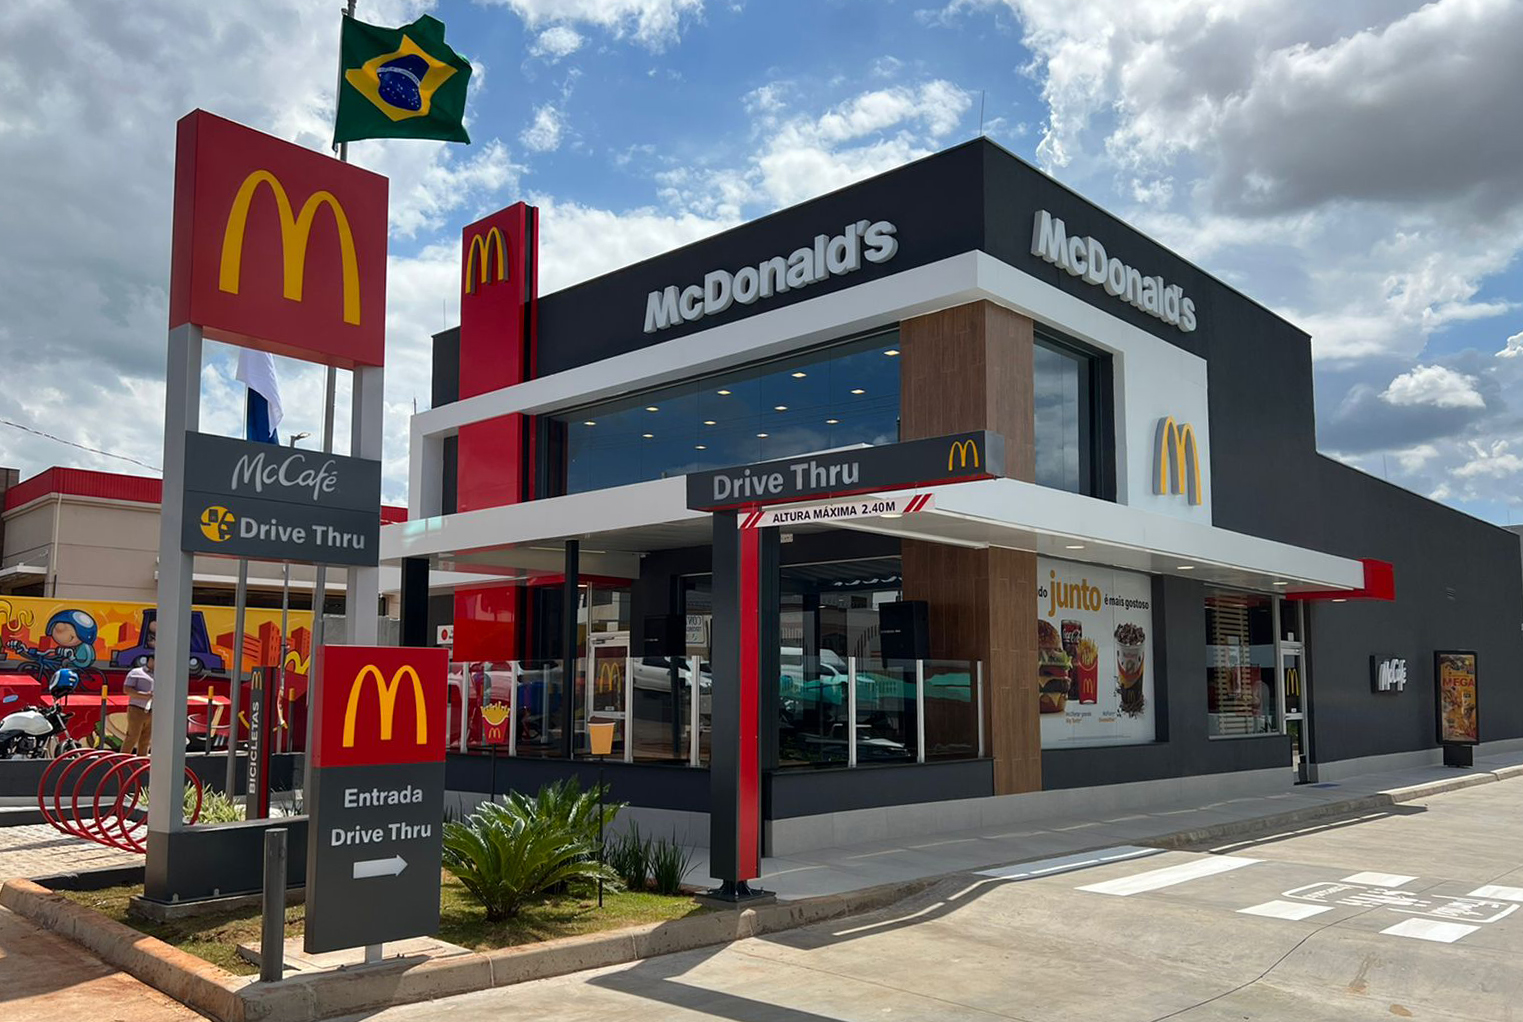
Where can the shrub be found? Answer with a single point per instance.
(566, 805)
(669, 862)
(505, 855)
(216, 807)
(629, 856)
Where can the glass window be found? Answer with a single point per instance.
(1070, 413)
(1240, 667)
(838, 397)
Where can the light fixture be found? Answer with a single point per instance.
(761, 436)
(589, 422)
(859, 390)
(1074, 546)
(1186, 567)
(891, 352)
(832, 422)
(709, 422)
(649, 436)
(800, 375)
(700, 447)
(779, 408)
(1282, 583)
(1341, 599)
(724, 393)
(892, 514)
(651, 408)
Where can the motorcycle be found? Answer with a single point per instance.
(40, 731)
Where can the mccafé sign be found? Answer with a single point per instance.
(277, 247)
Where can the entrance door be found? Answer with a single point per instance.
(1293, 691)
(607, 694)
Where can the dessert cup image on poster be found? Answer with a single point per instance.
(1094, 672)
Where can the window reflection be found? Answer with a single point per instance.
(824, 399)
(1065, 407)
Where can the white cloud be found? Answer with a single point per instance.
(1493, 460)
(654, 24)
(1513, 348)
(578, 242)
(544, 135)
(1434, 385)
(556, 42)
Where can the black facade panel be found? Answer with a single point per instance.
(446, 384)
(935, 204)
(648, 785)
(787, 794)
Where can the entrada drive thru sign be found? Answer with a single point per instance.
(375, 830)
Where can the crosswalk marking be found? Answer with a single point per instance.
(1498, 892)
(1285, 910)
(1168, 876)
(1430, 929)
(1379, 879)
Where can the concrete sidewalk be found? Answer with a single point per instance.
(848, 868)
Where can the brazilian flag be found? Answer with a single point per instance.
(400, 83)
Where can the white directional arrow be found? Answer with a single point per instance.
(379, 867)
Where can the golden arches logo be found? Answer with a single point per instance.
(295, 231)
(217, 523)
(1178, 460)
(386, 695)
(962, 451)
(484, 245)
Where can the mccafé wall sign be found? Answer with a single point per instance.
(277, 247)
(263, 501)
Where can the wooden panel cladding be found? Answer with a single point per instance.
(967, 368)
(982, 605)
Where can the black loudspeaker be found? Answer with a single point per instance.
(665, 635)
(903, 630)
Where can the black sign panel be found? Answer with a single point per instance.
(373, 854)
(960, 457)
(262, 501)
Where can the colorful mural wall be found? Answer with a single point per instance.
(109, 635)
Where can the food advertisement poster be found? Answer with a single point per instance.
(1459, 715)
(1094, 681)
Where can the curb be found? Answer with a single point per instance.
(354, 989)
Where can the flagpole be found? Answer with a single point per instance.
(343, 147)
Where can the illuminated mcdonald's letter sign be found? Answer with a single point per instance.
(484, 246)
(295, 231)
(964, 451)
(386, 693)
(1177, 460)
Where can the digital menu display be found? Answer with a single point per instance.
(1094, 673)
(1459, 715)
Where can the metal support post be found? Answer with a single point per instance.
(629, 709)
(695, 708)
(272, 929)
(978, 668)
(166, 772)
(919, 711)
(851, 711)
(569, 605)
(319, 597)
(362, 599)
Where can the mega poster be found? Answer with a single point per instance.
(1459, 715)
(1094, 682)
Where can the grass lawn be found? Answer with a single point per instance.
(216, 937)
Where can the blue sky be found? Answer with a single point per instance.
(1353, 166)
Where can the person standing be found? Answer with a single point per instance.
(139, 689)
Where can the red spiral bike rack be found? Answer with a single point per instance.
(100, 795)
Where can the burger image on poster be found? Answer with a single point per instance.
(1053, 665)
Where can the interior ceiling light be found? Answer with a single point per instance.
(1074, 546)
(724, 393)
(859, 390)
(761, 436)
(1282, 583)
(1341, 600)
(651, 408)
(589, 422)
(1186, 567)
(891, 352)
(700, 447)
(709, 422)
(800, 375)
(779, 408)
(832, 422)
(649, 436)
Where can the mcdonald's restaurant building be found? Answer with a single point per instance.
(1103, 561)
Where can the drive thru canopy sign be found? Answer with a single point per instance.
(375, 836)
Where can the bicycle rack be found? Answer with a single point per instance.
(99, 795)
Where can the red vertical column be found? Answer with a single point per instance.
(748, 819)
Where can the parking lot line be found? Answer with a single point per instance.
(1498, 892)
(1169, 876)
(1379, 879)
(1430, 929)
(1293, 910)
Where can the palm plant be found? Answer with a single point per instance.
(565, 804)
(505, 855)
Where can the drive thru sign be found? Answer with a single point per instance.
(374, 837)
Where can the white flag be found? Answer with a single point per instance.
(257, 370)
